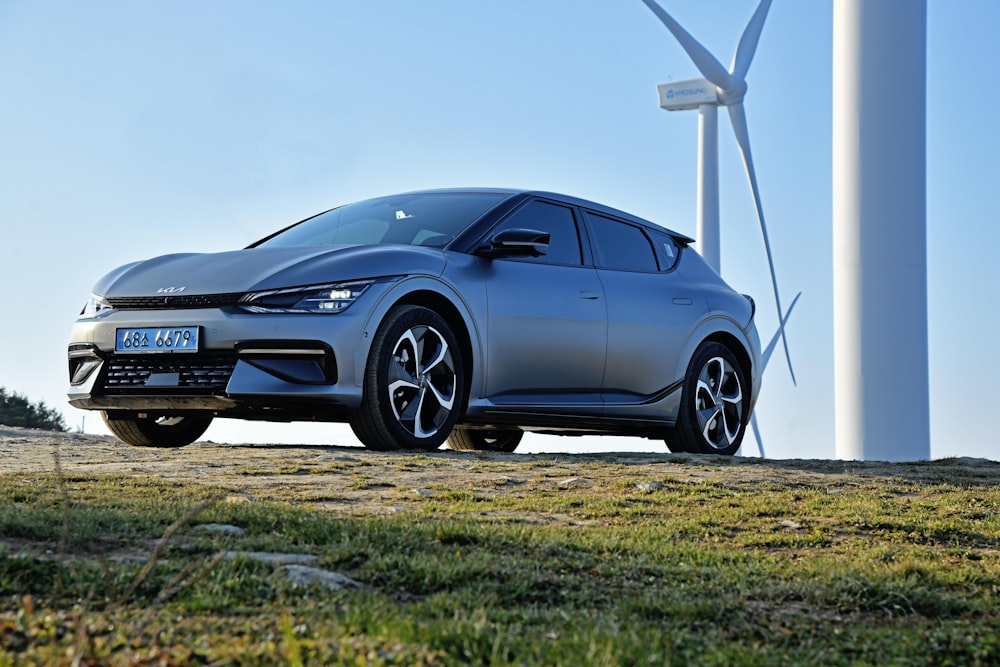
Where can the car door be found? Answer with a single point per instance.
(547, 330)
(651, 309)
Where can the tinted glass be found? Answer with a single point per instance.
(669, 252)
(619, 245)
(557, 221)
(427, 219)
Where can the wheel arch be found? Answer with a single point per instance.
(460, 309)
(737, 348)
(447, 309)
(743, 345)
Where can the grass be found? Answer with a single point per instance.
(511, 569)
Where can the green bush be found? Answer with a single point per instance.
(17, 410)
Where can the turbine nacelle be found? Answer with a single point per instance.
(692, 93)
(685, 95)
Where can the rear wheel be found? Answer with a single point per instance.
(144, 430)
(715, 403)
(484, 440)
(413, 385)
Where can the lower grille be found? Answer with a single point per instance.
(188, 373)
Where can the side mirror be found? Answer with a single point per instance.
(516, 243)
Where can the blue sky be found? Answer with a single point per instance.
(131, 129)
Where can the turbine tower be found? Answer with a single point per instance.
(720, 87)
(880, 229)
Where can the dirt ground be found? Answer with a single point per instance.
(354, 480)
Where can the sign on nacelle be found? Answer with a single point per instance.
(689, 94)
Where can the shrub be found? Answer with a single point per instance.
(17, 410)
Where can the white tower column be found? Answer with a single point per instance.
(879, 229)
(708, 186)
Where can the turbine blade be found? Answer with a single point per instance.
(748, 42)
(706, 63)
(756, 435)
(766, 356)
(739, 118)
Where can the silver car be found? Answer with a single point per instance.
(465, 315)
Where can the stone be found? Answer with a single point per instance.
(649, 487)
(302, 575)
(273, 558)
(221, 528)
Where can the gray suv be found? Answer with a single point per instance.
(463, 315)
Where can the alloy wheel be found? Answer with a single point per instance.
(719, 403)
(422, 381)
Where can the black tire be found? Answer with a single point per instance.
(484, 440)
(675, 444)
(715, 404)
(155, 430)
(414, 383)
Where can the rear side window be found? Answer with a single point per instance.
(669, 251)
(557, 221)
(619, 245)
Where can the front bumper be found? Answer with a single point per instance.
(251, 366)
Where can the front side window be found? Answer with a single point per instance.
(558, 221)
(619, 245)
(430, 219)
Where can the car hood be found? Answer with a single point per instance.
(255, 269)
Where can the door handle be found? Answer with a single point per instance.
(590, 295)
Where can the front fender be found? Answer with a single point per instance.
(419, 289)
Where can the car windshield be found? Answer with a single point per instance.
(429, 219)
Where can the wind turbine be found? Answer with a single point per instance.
(880, 230)
(720, 87)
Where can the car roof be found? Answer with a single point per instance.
(566, 199)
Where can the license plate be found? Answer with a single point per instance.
(157, 339)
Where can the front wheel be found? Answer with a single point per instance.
(715, 403)
(484, 440)
(413, 388)
(140, 430)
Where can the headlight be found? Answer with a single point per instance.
(94, 307)
(328, 299)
